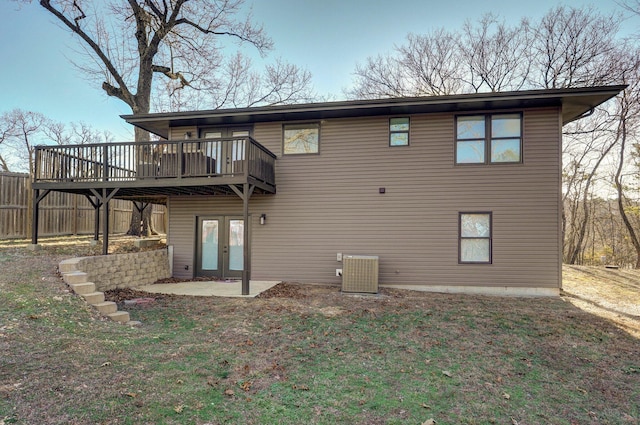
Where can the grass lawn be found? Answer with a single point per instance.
(309, 354)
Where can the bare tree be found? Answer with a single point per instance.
(496, 55)
(426, 65)
(574, 47)
(627, 114)
(127, 44)
(380, 76)
(589, 146)
(568, 47)
(432, 63)
(6, 131)
(22, 131)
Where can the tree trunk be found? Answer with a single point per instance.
(141, 224)
(622, 129)
(575, 254)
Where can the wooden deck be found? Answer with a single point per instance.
(150, 171)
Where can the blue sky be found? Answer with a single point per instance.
(328, 37)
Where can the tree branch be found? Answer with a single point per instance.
(124, 93)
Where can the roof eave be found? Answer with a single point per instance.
(575, 102)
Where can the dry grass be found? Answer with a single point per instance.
(309, 354)
(608, 293)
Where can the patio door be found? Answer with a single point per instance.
(219, 247)
(229, 155)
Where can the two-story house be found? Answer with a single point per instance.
(452, 193)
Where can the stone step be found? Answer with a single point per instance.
(75, 277)
(119, 316)
(106, 307)
(83, 288)
(68, 266)
(94, 297)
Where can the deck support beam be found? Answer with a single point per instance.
(245, 194)
(96, 214)
(103, 199)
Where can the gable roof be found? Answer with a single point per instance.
(575, 103)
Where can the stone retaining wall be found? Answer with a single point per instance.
(132, 270)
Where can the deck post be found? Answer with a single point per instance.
(245, 242)
(34, 218)
(105, 223)
(96, 224)
(245, 194)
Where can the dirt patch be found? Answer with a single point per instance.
(121, 295)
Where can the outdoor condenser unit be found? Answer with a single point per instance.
(360, 273)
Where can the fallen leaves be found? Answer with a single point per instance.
(430, 421)
(300, 387)
(506, 396)
(229, 392)
(446, 373)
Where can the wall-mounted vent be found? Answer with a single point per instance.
(360, 273)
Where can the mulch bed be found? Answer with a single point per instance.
(283, 290)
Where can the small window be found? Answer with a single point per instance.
(301, 139)
(493, 139)
(475, 237)
(399, 132)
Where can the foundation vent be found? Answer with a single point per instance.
(360, 273)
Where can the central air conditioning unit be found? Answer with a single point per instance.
(360, 273)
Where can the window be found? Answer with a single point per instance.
(301, 139)
(494, 139)
(475, 237)
(399, 132)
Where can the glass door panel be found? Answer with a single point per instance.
(236, 245)
(208, 246)
(210, 242)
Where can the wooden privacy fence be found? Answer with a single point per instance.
(60, 213)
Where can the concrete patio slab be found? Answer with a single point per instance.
(214, 288)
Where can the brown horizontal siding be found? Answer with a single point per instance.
(329, 203)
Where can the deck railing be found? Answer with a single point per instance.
(117, 162)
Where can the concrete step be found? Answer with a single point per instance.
(119, 316)
(94, 297)
(83, 288)
(106, 307)
(68, 266)
(75, 277)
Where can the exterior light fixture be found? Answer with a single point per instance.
(263, 218)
